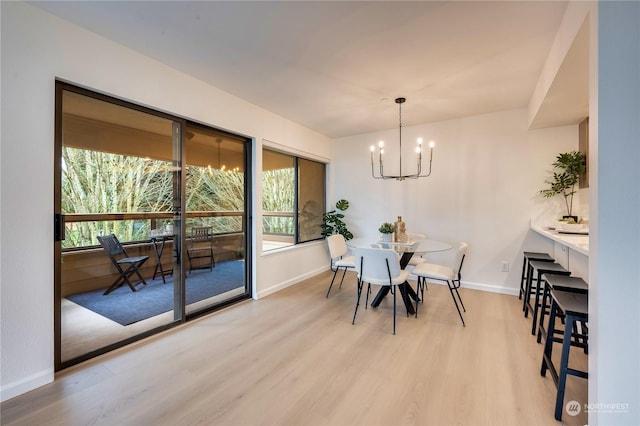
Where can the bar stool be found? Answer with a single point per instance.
(538, 268)
(529, 256)
(558, 282)
(575, 308)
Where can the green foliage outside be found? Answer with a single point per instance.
(96, 182)
(278, 196)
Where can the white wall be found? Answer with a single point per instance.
(36, 49)
(614, 297)
(487, 171)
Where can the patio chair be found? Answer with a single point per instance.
(120, 260)
(200, 246)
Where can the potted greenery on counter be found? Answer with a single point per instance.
(566, 171)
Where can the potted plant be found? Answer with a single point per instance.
(387, 229)
(332, 222)
(567, 170)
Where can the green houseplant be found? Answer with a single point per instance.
(566, 171)
(387, 229)
(332, 222)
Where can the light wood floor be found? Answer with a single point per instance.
(293, 358)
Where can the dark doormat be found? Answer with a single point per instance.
(126, 307)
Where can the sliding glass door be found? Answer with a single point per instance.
(129, 261)
(215, 225)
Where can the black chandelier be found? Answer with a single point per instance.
(400, 176)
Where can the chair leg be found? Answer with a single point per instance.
(137, 271)
(332, 279)
(451, 288)
(117, 283)
(456, 287)
(394, 310)
(418, 292)
(344, 272)
(366, 302)
(360, 283)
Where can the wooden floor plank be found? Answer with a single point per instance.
(295, 358)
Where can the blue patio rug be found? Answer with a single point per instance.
(126, 307)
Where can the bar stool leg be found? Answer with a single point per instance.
(548, 343)
(527, 292)
(564, 364)
(543, 308)
(536, 305)
(523, 280)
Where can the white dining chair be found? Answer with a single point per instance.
(450, 275)
(378, 267)
(337, 251)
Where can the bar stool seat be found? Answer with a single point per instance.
(529, 256)
(538, 268)
(557, 282)
(575, 308)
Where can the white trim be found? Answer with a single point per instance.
(290, 282)
(27, 384)
(286, 149)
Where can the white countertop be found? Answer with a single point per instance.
(577, 242)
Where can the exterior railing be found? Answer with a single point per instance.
(156, 220)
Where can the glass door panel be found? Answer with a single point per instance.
(119, 174)
(215, 224)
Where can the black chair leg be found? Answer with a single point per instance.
(394, 310)
(355, 312)
(456, 287)
(332, 279)
(451, 288)
(344, 272)
(366, 302)
(418, 292)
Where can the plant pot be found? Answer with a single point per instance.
(387, 238)
(575, 218)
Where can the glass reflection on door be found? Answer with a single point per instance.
(118, 176)
(215, 223)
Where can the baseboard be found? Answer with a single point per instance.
(484, 287)
(290, 282)
(27, 384)
(490, 288)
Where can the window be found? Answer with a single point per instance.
(293, 199)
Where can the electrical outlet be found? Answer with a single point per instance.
(505, 266)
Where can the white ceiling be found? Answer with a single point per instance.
(336, 67)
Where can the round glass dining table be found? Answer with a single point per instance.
(407, 250)
(419, 246)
